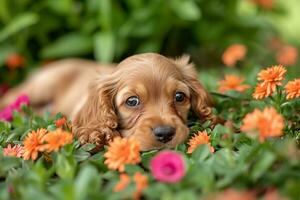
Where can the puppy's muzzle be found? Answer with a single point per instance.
(164, 133)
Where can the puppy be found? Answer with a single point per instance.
(146, 97)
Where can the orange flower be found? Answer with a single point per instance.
(123, 183)
(56, 139)
(272, 77)
(232, 82)
(288, 55)
(60, 122)
(266, 4)
(33, 144)
(234, 53)
(273, 194)
(292, 89)
(232, 194)
(15, 151)
(198, 139)
(141, 182)
(268, 123)
(122, 151)
(14, 61)
(261, 91)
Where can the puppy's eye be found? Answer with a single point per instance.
(133, 101)
(179, 96)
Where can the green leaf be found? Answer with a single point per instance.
(65, 168)
(264, 162)
(7, 163)
(87, 182)
(5, 50)
(201, 153)
(73, 44)
(104, 45)
(186, 9)
(18, 24)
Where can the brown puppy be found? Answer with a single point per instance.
(147, 97)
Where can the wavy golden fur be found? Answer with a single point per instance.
(99, 105)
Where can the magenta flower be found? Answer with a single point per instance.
(168, 166)
(21, 100)
(7, 113)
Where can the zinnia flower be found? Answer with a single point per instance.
(268, 123)
(7, 113)
(16, 151)
(234, 53)
(288, 55)
(123, 183)
(60, 122)
(232, 82)
(56, 139)
(292, 89)
(272, 77)
(168, 166)
(141, 182)
(199, 139)
(261, 91)
(122, 151)
(33, 144)
(14, 61)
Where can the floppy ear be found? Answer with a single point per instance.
(201, 102)
(96, 121)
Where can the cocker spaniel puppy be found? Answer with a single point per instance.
(146, 97)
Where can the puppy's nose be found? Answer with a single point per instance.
(164, 133)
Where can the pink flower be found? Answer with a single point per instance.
(16, 151)
(21, 100)
(7, 113)
(168, 166)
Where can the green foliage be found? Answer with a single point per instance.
(238, 162)
(110, 30)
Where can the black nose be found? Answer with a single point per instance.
(164, 133)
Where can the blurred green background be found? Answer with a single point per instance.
(36, 32)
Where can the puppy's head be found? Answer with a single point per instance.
(148, 98)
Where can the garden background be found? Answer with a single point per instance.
(223, 37)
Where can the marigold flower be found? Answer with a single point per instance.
(15, 151)
(234, 53)
(288, 55)
(14, 61)
(199, 139)
(122, 151)
(56, 139)
(292, 89)
(232, 82)
(266, 4)
(33, 144)
(60, 122)
(268, 123)
(123, 183)
(261, 91)
(272, 77)
(168, 166)
(141, 182)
